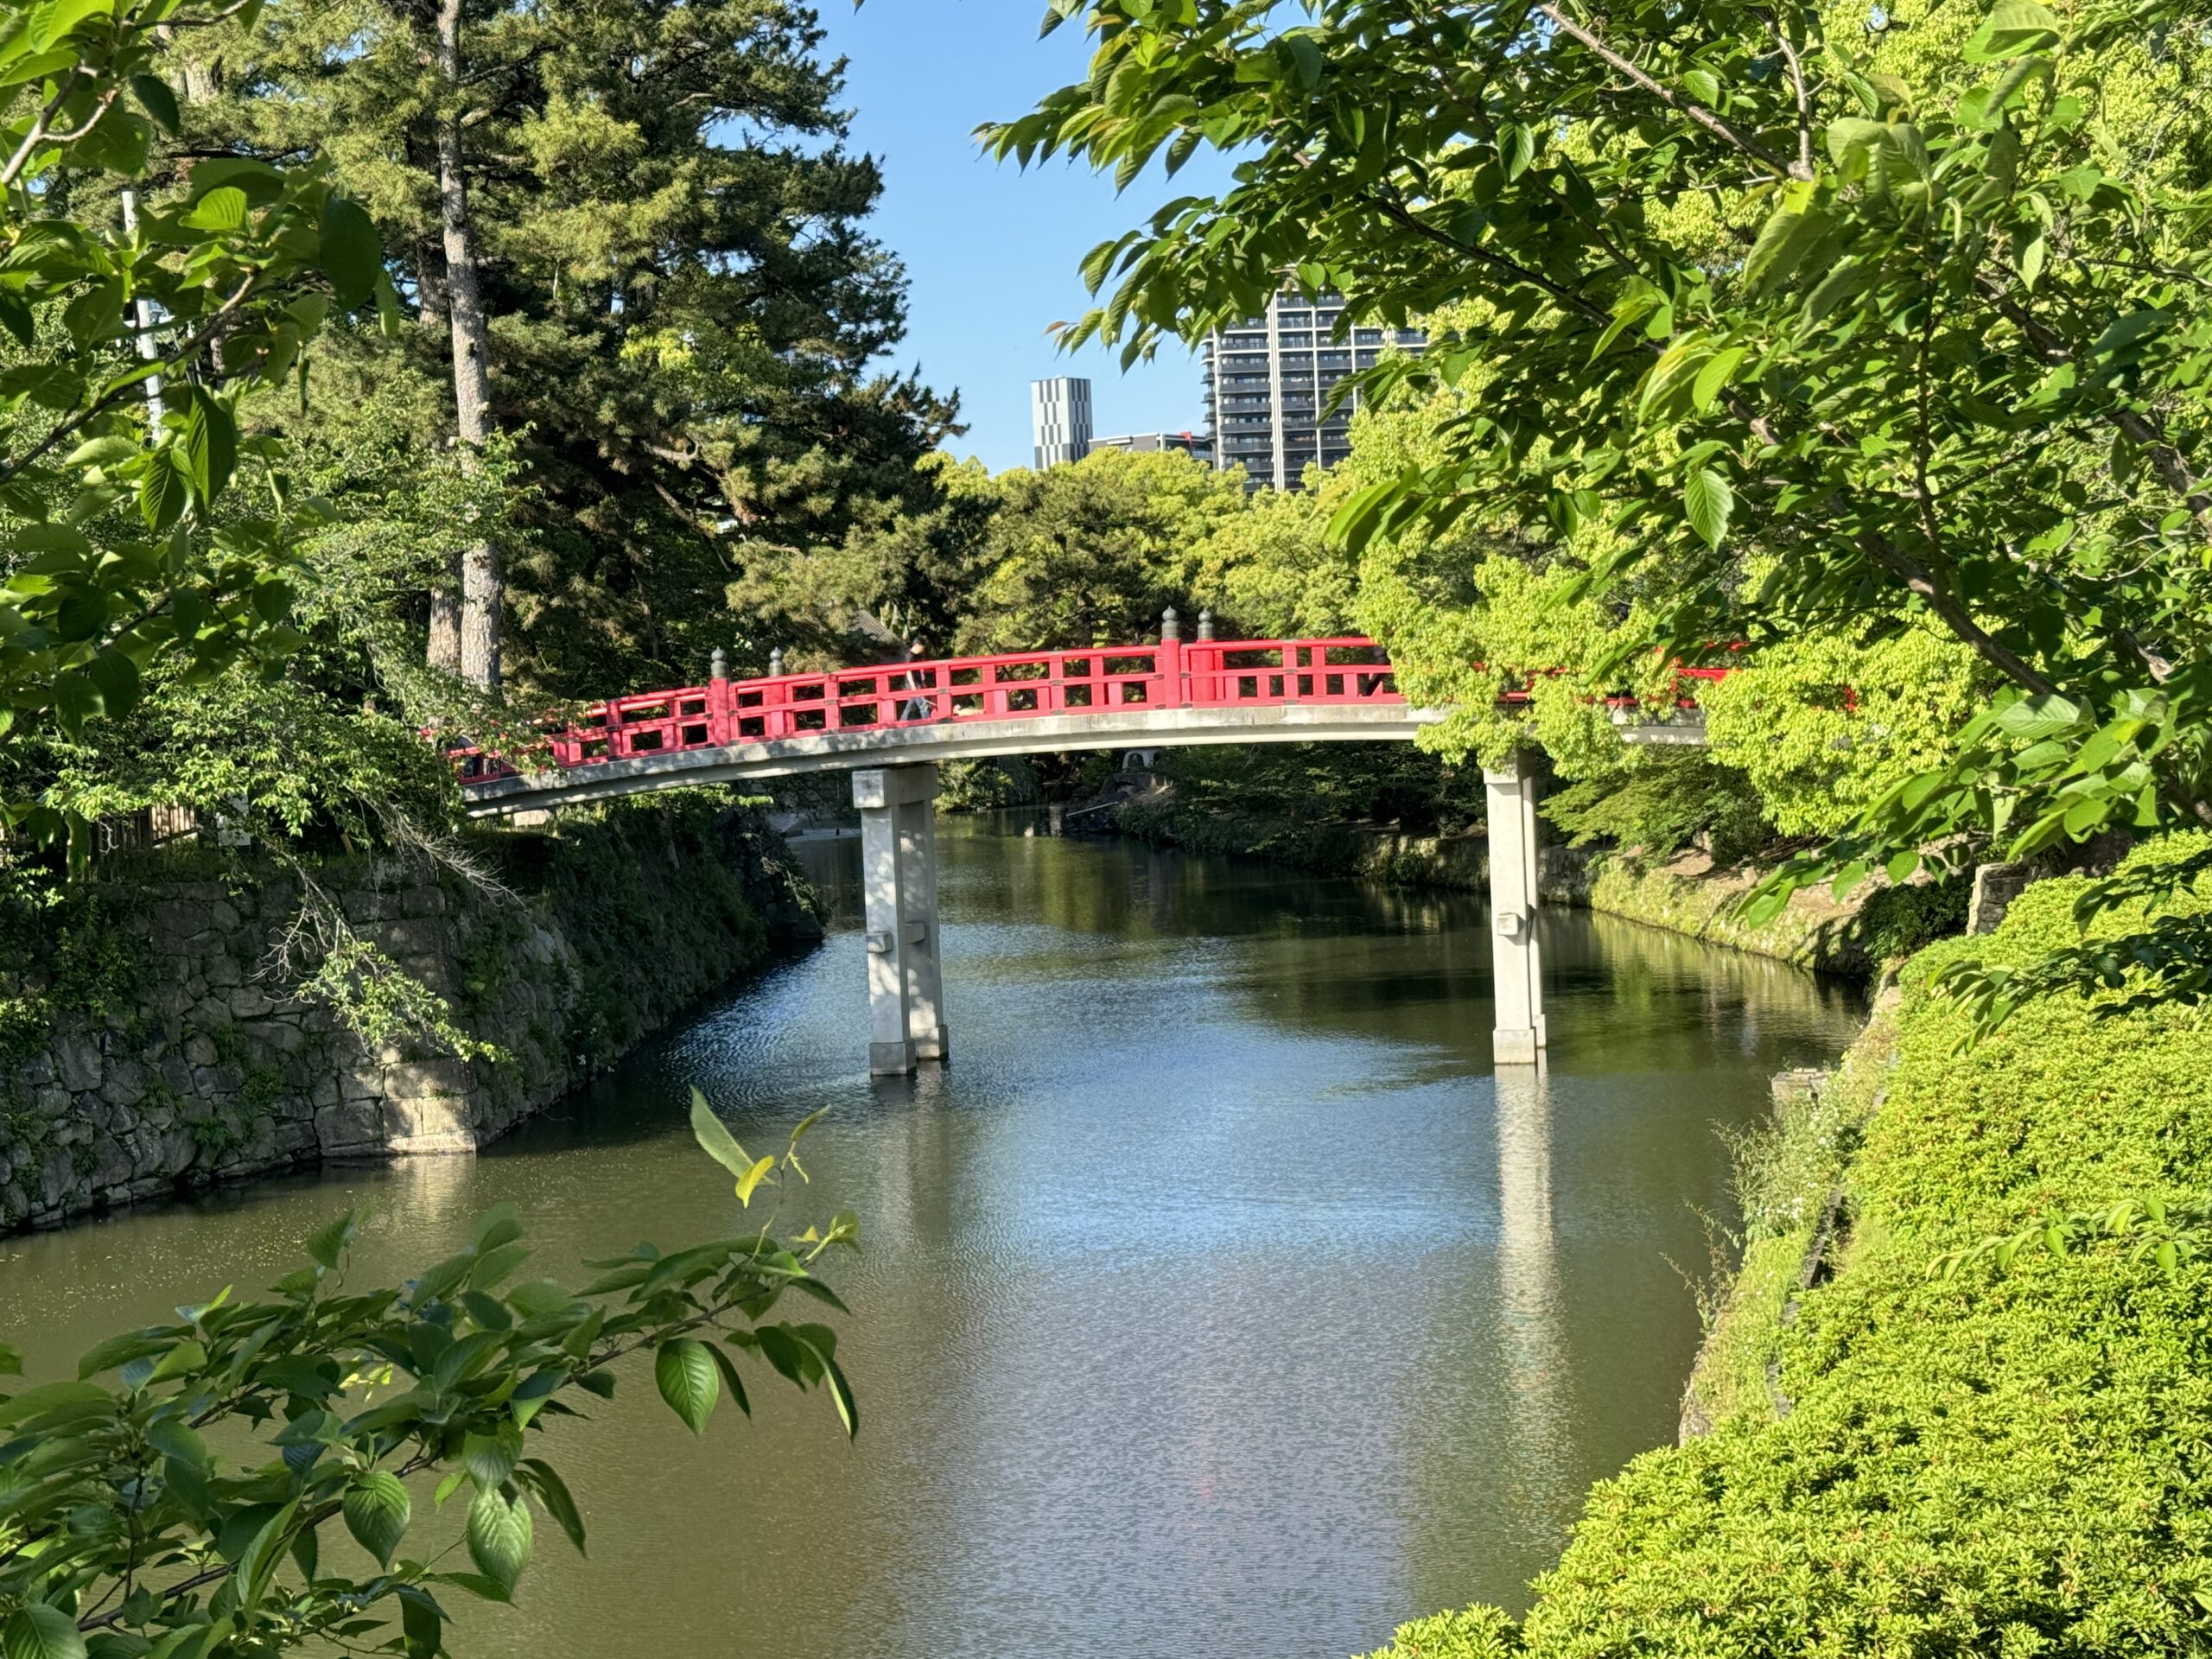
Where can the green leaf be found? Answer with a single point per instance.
(684, 1371)
(1715, 376)
(736, 1383)
(500, 1537)
(422, 1623)
(327, 1244)
(40, 1631)
(717, 1141)
(2011, 28)
(1788, 236)
(116, 677)
(748, 1182)
(221, 209)
(208, 444)
(118, 1350)
(351, 255)
(49, 19)
(491, 1269)
(50, 385)
(2038, 716)
(490, 1459)
(376, 1510)
(54, 1403)
(184, 1356)
(103, 452)
(552, 1491)
(164, 491)
(1709, 501)
(499, 1225)
(155, 98)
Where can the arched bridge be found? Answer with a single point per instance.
(889, 725)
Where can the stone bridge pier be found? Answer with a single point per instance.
(1515, 960)
(905, 982)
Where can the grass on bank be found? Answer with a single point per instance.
(2015, 1465)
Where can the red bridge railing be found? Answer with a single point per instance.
(960, 691)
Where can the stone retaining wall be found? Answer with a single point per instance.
(209, 1069)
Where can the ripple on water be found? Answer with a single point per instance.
(1215, 1296)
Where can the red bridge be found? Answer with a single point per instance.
(1172, 694)
(889, 725)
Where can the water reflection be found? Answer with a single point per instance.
(1530, 1319)
(1216, 1294)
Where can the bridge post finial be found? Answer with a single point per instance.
(1170, 625)
(776, 662)
(1205, 625)
(718, 665)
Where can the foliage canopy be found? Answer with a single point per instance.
(1803, 319)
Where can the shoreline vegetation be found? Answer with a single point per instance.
(1884, 1452)
(1685, 891)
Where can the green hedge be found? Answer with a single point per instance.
(2012, 1466)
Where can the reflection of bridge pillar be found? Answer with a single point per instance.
(905, 993)
(1517, 965)
(1529, 1327)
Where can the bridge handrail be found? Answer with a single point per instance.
(1348, 669)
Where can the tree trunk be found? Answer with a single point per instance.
(482, 589)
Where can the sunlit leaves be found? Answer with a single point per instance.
(685, 1374)
(499, 1535)
(1916, 334)
(1707, 502)
(40, 1631)
(378, 1510)
(224, 267)
(332, 1395)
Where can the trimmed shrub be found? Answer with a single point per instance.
(2009, 1464)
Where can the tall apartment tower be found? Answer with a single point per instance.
(1267, 380)
(1059, 420)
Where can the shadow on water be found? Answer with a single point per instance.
(1215, 1289)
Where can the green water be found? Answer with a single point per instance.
(1216, 1298)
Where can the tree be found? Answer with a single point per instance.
(129, 347)
(912, 565)
(126, 1532)
(679, 303)
(1272, 570)
(1091, 553)
(1914, 314)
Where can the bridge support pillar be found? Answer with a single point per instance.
(1517, 961)
(905, 994)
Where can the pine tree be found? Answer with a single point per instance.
(635, 241)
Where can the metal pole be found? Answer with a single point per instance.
(145, 314)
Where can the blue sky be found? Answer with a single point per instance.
(992, 252)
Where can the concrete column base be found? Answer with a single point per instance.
(897, 807)
(1521, 1046)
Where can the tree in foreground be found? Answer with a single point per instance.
(1759, 323)
(129, 336)
(124, 1531)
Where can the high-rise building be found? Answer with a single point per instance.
(1059, 420)
(1194, 443)
(1268, 380)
